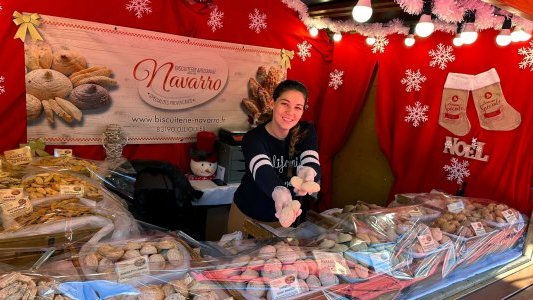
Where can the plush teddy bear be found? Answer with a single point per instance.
(204, 156)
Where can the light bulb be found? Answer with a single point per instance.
(337, 37)
(313, 31)
(504, 37)
(469, 34)
(362, 11)
(424, 27)
(409, 40)
(525, 36)
(457, 41)
(516, 35)
(370, 40)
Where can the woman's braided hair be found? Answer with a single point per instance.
(295, 134)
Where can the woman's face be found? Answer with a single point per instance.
(288, 109)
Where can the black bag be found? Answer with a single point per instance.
(163, 196)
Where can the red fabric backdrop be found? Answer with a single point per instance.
(186, 18)
(506, 177)
(342, 106)
(416, 153)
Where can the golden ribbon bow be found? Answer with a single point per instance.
(27, 22)
(286, 57)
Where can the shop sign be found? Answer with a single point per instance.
(454, 146)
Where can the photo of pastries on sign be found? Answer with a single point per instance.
(258, 105)
(60, 82)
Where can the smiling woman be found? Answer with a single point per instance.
(273, 153)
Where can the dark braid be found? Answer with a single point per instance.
(295, 135)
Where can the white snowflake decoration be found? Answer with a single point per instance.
(474, 144)
(1, 7)
(140, 7)
(441, 56)
(457, 170)
(412, 80)
(527, 61)
(379, 45)
(335, 79)
(257, 21)
(2, 88)
(215, 19)
(448, 145)
(303, 50)
(416, 114)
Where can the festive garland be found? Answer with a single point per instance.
(447, 12)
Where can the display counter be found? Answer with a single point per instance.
(429, 245)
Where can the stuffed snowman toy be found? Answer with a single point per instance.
(204, 156)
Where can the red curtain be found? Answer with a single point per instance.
(342, 106)
(416, 153)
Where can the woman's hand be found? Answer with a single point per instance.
(287, 210)
(304, 183)
(306, 173)
(282, 197)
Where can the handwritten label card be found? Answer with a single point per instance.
(131, 268)
(427, 242)
(478, 228)
(333, 261)
(456, 207)
(73, 190)
(285, 286)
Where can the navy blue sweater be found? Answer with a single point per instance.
(267, 163)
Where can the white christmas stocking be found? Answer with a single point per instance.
(452, 114)
(492, 109)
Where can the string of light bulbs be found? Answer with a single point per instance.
(452, 16)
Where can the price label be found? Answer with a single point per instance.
(285, 286)
(415, 212)
(131, 268)
(427, 242)
(332, 261)
(11, 194)
(63, 152)
(19, 156)
(17, 208)
(456, 207)
(510, 216)
(72, 190)
(478, 228)
(381, 261)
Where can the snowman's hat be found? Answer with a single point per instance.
(205, 147)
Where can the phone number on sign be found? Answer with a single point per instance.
(180, 129)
